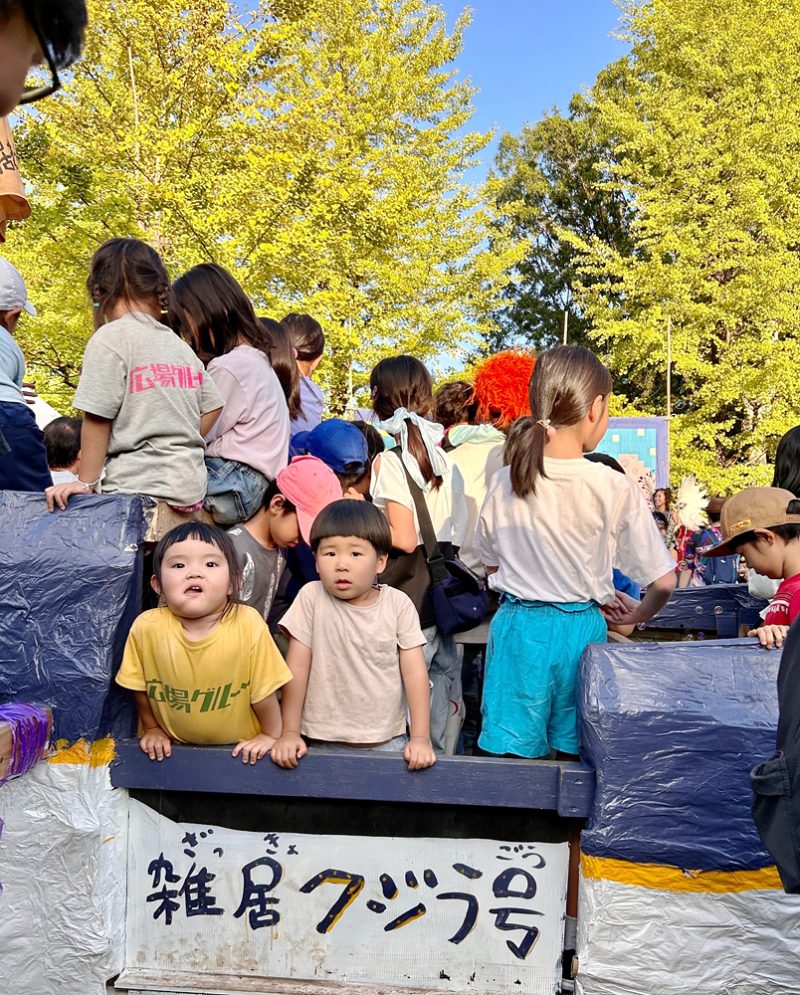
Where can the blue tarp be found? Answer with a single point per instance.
(672, 730)
(70, 587)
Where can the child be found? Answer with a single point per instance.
(342, 447)
(309, 343)
(249, 442)
(146, 397)
(203, 669)
(23, 460)
(402, 397)
(291, 503)
(762, 524)
(551, 530)
(355, 648)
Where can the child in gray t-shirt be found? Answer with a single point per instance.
(146, 396)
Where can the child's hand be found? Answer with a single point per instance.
(623, 610)
(353, 495)
(770, 635)
(59, 494)
(156, 744)
(419, 753)
(288, 749)
(254, 749)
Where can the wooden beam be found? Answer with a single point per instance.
(560, 786)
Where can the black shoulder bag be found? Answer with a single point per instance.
(458, 595)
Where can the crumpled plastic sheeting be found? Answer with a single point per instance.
(62, 867)
(638, 941)
(672, 730)
(69, 590)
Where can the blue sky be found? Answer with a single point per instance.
(526, 56)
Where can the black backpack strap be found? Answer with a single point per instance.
(433, 553)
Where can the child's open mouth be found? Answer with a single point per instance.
(194, 589)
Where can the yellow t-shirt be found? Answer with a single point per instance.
(200, 692)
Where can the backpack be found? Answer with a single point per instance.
(716, 569)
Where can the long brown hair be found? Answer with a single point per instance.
(282, 357)
(404, 382)
(565, 382)
(212, 312)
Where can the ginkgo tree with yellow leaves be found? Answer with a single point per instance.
(704, 126)
(315, 148)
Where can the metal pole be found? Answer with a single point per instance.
(669, 377)
(566, 325)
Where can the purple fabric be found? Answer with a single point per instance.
(312, 401)
(29, 727)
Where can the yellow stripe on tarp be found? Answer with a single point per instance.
(96, 754)
(660, 877)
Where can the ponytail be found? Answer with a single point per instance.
(416, 447)
(526, 457)
(564, 384)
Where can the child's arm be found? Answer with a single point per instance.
(401, 525)
(153, 741)
(626, 611)
(770, 635)
(418, 752)
(95, 433)
(207, 421)
(291, 746)
(268, 713)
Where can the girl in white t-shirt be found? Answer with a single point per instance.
(551, 530)
(402, 396)
(249, 443)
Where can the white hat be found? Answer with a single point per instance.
(12, 289)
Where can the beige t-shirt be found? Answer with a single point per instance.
(355, 689)
(138, 373)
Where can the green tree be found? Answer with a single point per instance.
(315, 148)
(550, 183)
(705, 131)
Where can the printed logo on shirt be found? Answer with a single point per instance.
(182, 699)
(154, 375)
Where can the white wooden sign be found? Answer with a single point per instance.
(464, 915)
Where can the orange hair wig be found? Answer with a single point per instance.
(501, 387)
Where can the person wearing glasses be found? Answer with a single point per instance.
(34, 33)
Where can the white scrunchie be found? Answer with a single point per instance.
(431, 434)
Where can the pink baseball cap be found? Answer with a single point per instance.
(310, 486)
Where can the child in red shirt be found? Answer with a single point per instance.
(763, 525)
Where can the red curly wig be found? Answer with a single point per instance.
(501, 387)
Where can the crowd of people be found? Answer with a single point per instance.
(295, 604)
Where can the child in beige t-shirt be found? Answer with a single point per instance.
(355, 648)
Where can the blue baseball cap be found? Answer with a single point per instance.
(336, 442)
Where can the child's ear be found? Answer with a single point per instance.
(598, 408)
(155, 585)
(276, 504)
(383, 559)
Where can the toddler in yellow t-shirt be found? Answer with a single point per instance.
(203, 669)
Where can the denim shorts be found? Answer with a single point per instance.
(235, 490)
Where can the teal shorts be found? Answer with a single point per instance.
(530, 688)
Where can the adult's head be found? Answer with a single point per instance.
(787, 462)
(13, 296)
(33, 33)
(62, 440)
